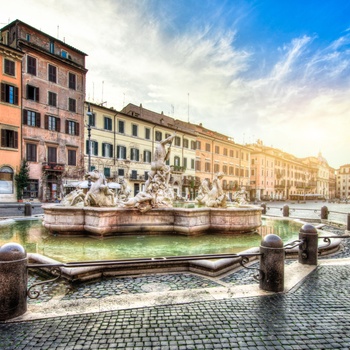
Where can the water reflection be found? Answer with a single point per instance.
(36, 239)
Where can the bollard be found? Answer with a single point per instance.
(13, 281)
(285, 210)
(264, 208)
(272, 264)
(27, 209)
(348, 225)
(308, 251)
(324, 213)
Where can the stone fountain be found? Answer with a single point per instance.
(105, 210)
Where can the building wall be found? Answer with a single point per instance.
(343, 183)
(10, 123)
(43, 141)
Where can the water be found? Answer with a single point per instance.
(36, 239)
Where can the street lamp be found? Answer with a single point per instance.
(89, 115)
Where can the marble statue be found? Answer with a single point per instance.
(240, 197)
(215, 197)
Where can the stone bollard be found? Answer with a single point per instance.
(264, 208)
(324, 213)
(348, 224)
(285, 210)
(27, 209)
(272, 264)
(13, 281)
(308, 251)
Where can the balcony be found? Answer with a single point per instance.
(53, 167)
(176, 169)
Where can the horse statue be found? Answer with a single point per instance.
(214, 198)
(99, 194)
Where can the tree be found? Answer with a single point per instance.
(22, 179)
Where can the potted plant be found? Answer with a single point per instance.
(22, 179)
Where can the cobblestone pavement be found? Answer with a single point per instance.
(314, 315)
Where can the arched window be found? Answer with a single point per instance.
(6, 180)
(177, 161)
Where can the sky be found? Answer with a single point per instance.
(277, 71)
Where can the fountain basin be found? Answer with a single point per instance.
(106, 221)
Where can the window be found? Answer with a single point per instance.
(52, 123)
(134, 154)
(185, 141)
(64, 54)
(121, 152)
(192, 163)
(9, 94)
(28, 37)
(207, 147)
(198, 165)
(198, 145)
(134, 174)
(72, 157)
(177, 141)
(52, 73)
(217, 149)
(31, 152)
(31, 65)
(52, 154)
(52, 99)
(216, 168)
(31, 118)
(9, 138)
(9, 67)
(107, 172)
(224, 169)
(121, 126)
(33, 93)
(6, 180)
(72, 105)
(207, 167)
(193, 145)
(72, 81)
(225, 151)
(177, 161)
(52, 47)
(147, 133)
(134, 129)
(121, 172)
(93, 148)
(107, 150)
(107, 123)
(72, 128)
(185, 163)
(231, 153)
(159, 136)
(92, 119)
(147, 155)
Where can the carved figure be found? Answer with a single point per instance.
(240, 196)
(74, 198)
(215, 197)
(157, 191)
(99, 194)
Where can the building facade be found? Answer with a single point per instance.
(343, 183)
(10, 120)
(53, 81)
(218, 153)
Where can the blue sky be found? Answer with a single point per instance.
(271, 70)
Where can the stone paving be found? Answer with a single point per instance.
(315, 315)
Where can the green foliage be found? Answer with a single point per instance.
(22, 178)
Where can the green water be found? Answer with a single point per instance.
(36, 239)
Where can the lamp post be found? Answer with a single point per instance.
(89, 115)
